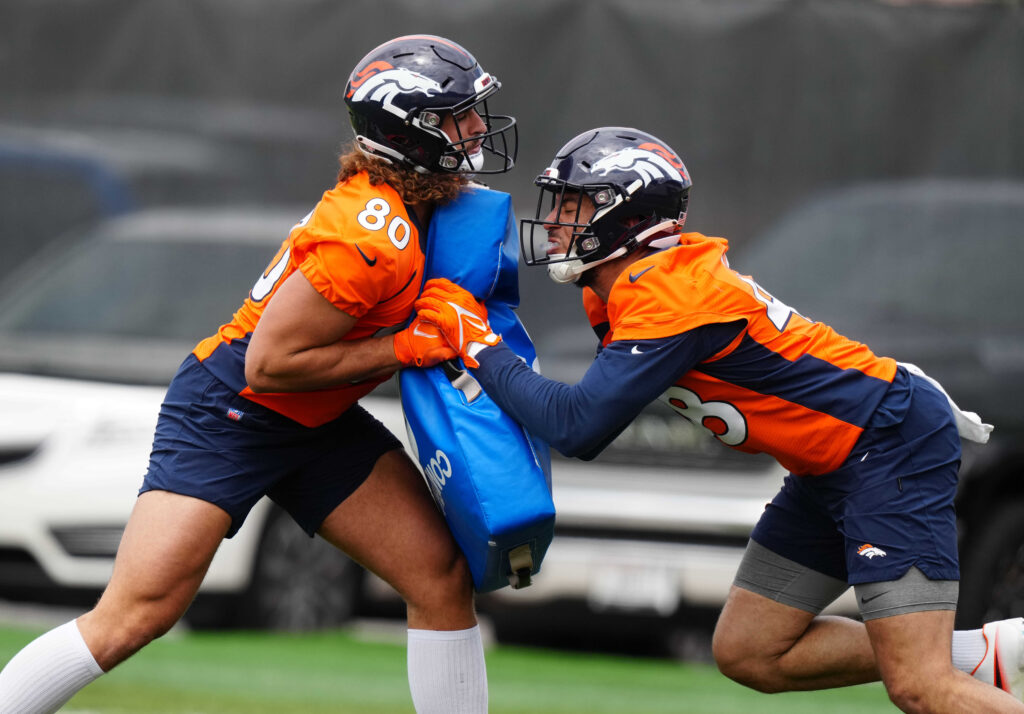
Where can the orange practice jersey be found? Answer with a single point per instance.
(786, 386)
(361, 250)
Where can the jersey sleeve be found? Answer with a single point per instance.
(353, 267)
(669, 293)
(334, 267)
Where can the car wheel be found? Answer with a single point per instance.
(300, 583)
(992, 586)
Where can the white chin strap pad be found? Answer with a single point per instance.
(473, 164)
(569, 271)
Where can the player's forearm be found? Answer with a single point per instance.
(313, 368)
(581, 419)
(565, 416)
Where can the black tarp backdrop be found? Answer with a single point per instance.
(768, 101)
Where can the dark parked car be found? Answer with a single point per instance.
(55, 179)
(71, 162)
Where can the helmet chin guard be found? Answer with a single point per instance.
(571, 270)
(564, 269)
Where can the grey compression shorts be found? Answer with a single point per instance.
(790, 583)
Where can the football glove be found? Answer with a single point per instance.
(422, 344)
(459, 316)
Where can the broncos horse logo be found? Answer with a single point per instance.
(648, 164)
(869, 551)
(380, 82)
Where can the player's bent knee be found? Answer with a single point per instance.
(724, 651)
(739, 663)
(738, 659)
(444, 590)
(452, 580)
(728, 645)
(905, 696)
(750, 673)
(442, 608)
(919, 688)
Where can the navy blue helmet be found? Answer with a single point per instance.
(399, 94)
(639, 189)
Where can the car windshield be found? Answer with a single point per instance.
(934, 255)
(127, 305)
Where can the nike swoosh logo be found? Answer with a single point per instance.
(369, 262)
(636, 351)
(418, 331)
(634, 277)
(866, 600)
(468, 317)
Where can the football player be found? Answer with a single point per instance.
(873, 446)
(268, 406)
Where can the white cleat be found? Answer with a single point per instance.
(1003, 663)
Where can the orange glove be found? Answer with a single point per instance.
(459, 316)
(422, 344)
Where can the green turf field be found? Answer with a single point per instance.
(257, 673)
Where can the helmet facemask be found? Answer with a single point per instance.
(564, 205)
(457, 153)
(603, 226)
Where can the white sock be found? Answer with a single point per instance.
(47, 672)
(969, 648)
(447, 672)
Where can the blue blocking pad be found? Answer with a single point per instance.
(489, 476)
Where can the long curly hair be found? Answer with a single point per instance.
(411, 185)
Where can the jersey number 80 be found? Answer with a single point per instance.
(375, 216)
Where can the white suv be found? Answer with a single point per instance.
(90, 335)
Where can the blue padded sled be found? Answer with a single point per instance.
(488, 475)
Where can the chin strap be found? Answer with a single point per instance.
(569, 271)
(472, 164)
(565, 271)
(670, 228)
(377, 150)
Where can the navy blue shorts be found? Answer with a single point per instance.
(220, 447)
(887, 508)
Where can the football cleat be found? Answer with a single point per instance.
(1003, 663)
